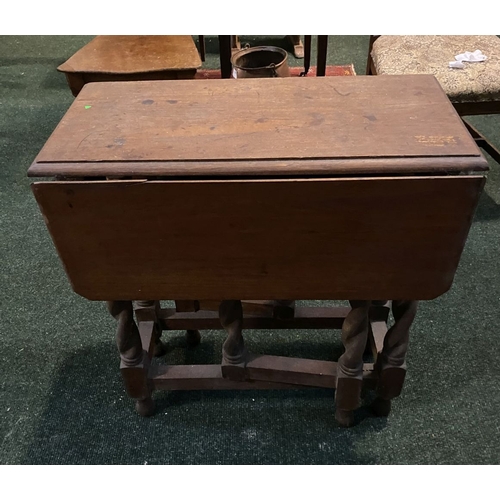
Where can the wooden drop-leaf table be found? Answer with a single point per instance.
(216, 192)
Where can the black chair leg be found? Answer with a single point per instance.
(201, 43)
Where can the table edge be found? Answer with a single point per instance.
(280, 167)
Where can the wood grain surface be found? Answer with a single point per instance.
(119, 128)
(264, 168)
(359, 238)
(134, 54)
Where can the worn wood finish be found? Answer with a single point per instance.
(131, 57)
(295, 371)
(263, 372)
(333, 248)
(324, 119)
(205, 377)
(134, 54)
(463, 108)
(264, 168)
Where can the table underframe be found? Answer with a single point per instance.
(363, 325)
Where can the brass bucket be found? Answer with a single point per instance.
(260, 62)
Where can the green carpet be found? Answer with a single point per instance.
(61, 396)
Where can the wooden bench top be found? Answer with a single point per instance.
(134, 54)
(279, 127)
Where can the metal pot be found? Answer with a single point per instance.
(260, 62)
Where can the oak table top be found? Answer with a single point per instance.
(244, 169)
(260, 127)
(128, 54)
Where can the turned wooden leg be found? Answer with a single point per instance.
(152, 309)
(134, 364)
(350, 364)
(390, 364)
(233, 351)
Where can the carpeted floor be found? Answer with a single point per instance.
(61, 397)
